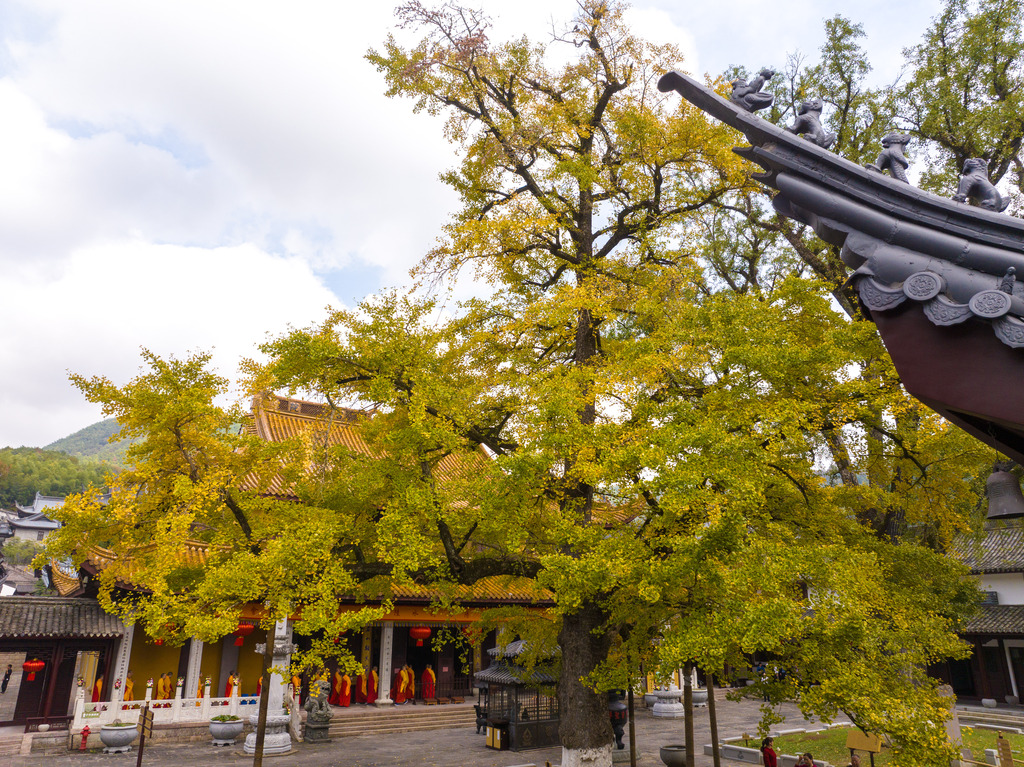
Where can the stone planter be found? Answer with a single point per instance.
(700, 696)
(224, 733)
(669, 705)
(673, 755)
(118, 740)
(650, 699)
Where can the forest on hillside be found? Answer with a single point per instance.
(27, 470)
(93, 442)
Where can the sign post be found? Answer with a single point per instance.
(145, 727)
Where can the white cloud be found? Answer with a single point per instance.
(111, 300)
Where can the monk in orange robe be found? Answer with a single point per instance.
(410, 684)
(345, 699)
(371, 687)
(335, 698)
(161, 693)
(429, 683)
(129, 687)
(97, 689)
(229, 685)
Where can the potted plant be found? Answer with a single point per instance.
(118, 736)
(225, 728)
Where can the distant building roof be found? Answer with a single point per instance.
(21, 579)
(40, 503)
(37, 521)
(997, 619)
(1000, 550)
(36, 617)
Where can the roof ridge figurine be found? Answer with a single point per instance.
(749, 96)
(808, 124)
(892, 159)
(975, 187)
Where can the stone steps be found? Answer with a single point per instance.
(394, 721)
(10, 745)
(992, 718)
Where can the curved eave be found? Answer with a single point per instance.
(778, 151)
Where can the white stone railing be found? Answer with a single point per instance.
(177, 709)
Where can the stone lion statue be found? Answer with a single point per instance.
(808, 124)
(317, 707)
(975, 186)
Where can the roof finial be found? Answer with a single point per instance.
(1006, 284)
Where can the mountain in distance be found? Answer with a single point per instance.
(92, 443)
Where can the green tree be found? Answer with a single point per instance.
(650, 448)
(24, 471)
(965, 94)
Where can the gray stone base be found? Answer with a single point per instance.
(316, 732)
(665, 709)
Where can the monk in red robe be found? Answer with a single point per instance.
(410, 684)
(229, 685)
(345, 699)
(398, 687)
(259, 685)
(429, 683)
(97, 689)
(360, 689)
(335, 697)
(371, 687)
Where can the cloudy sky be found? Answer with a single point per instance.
(195, 175)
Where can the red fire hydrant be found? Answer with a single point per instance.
(85, 739)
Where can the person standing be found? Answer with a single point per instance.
(398, 687)
(360, 688)
(129, 687)
(97, 689)
(770, 757)
(229, 686)
(7, 678)
(371, 687)
(429, 683)
(335, 699)
(410, 684)
(345, 699)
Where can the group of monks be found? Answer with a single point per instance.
(365, 689)
(403, 689)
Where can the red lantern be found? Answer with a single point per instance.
(243, 630)
(32, 667)
(419, 633)
(158, 642)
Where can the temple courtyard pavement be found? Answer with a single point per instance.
(458, 747)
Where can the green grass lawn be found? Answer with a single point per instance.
(830, 745)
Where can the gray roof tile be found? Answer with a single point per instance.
(32, 617)
(1001, 549)
(997, 619)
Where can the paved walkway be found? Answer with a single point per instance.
(460, 747)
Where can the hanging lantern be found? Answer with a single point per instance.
(32, 667)
(243, 630)
(419, 633)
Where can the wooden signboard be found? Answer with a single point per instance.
(863, 741)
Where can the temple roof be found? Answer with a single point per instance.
(1000, 550)
(997, 619)
(23, 617)
(277, 418)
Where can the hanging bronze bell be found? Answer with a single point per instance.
(1004, 496)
